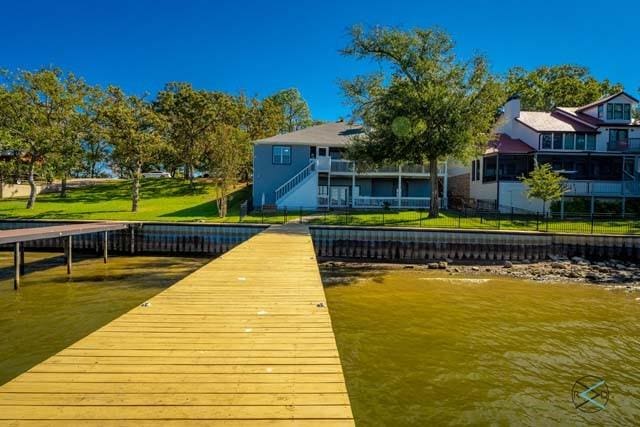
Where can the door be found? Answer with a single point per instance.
(339, 196)
(324, 161)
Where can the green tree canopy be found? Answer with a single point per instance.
(429, 105)
(545, 184)
(295, 111)
(135, 132)
(559, 85)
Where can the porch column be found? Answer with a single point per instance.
(329, 189)
(399, 192)
(445, 186)
(353, 184)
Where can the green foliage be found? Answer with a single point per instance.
(295, 111)
(560, 85)
(429, 107)
(136, 133)
(545, 184)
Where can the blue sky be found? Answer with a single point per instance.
(259, 47)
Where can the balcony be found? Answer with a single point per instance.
(347, 167)
(630, 145)
(602, 188)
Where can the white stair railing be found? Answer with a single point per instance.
(285, 188)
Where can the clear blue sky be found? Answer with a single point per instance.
(262, 46)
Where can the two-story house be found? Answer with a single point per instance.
(596, 147)
(307, 169)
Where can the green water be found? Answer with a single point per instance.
(50, 311)
(423, 348)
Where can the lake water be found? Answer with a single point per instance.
(51, 311)
(427, 348)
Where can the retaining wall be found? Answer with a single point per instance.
(148, 238)
(421, 245)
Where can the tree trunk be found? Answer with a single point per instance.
(63, 186)
(434, 204)
(135, 189)
(32, 185)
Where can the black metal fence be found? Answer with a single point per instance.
(463, 219)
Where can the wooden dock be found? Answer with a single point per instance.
(245, 340)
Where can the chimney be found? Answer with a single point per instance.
(512, 107)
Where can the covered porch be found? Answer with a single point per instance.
(371, 193)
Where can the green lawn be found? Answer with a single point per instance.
(449, 219)
(161, 200)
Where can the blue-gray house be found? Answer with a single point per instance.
(306, 168)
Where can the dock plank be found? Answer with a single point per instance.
(245, 340)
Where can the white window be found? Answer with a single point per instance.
(281, 155)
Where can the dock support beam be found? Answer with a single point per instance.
(16, 264)
(69, 254)
(105, 245)
(22, 259)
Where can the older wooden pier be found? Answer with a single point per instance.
(245, 340)
(20, 235)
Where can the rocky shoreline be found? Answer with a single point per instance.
(612, 274)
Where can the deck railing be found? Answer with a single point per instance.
(624, 145)
(347, 167)
(602, 188)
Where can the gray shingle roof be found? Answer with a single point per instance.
(549, 122)
(336, 134)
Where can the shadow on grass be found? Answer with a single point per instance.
(210, 209)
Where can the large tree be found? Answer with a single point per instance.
(564, 85)
(430, 106)
(135, 132)
(38, 110)
(295, 111)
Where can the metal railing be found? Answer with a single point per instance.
(459, 220)
(380, 202)
(297, 179)
(603, 188)
(348, 167)
(624, 145)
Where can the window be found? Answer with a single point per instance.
(617, 111)
(580, 141)
(557, 141)
(281, 155)
(475, 170)
(546, 141)
(591, 142)
(601, 111)
(489, 173)
(569, 141)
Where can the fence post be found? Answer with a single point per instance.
(537, 221)
(420, 217)
(498, 220)
(547, 215)
(591, 222)
(285, 216)
(300, 214)
(460, 219)
(262, 214)
(383, 218)
(346, 216)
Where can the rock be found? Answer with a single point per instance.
(560, 265)
(508, 264)
(408, 266)
(592, 276)
(577, 259)
(456, 270)
(621, 267)
(433, 265)
(488, 270)
(475, 268)
(442, 265)
(584, 263)
(449, 260)
(574, 274)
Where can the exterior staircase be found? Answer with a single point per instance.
(286, 189)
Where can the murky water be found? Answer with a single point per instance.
(423, 348)
(50, 311)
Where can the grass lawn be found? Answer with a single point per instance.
(449, 219)
(161, 200)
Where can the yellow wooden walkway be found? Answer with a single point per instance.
(245, 340)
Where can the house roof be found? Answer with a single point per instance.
(504, 144)
(336, 134)
(606, 99)
(552, 122)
